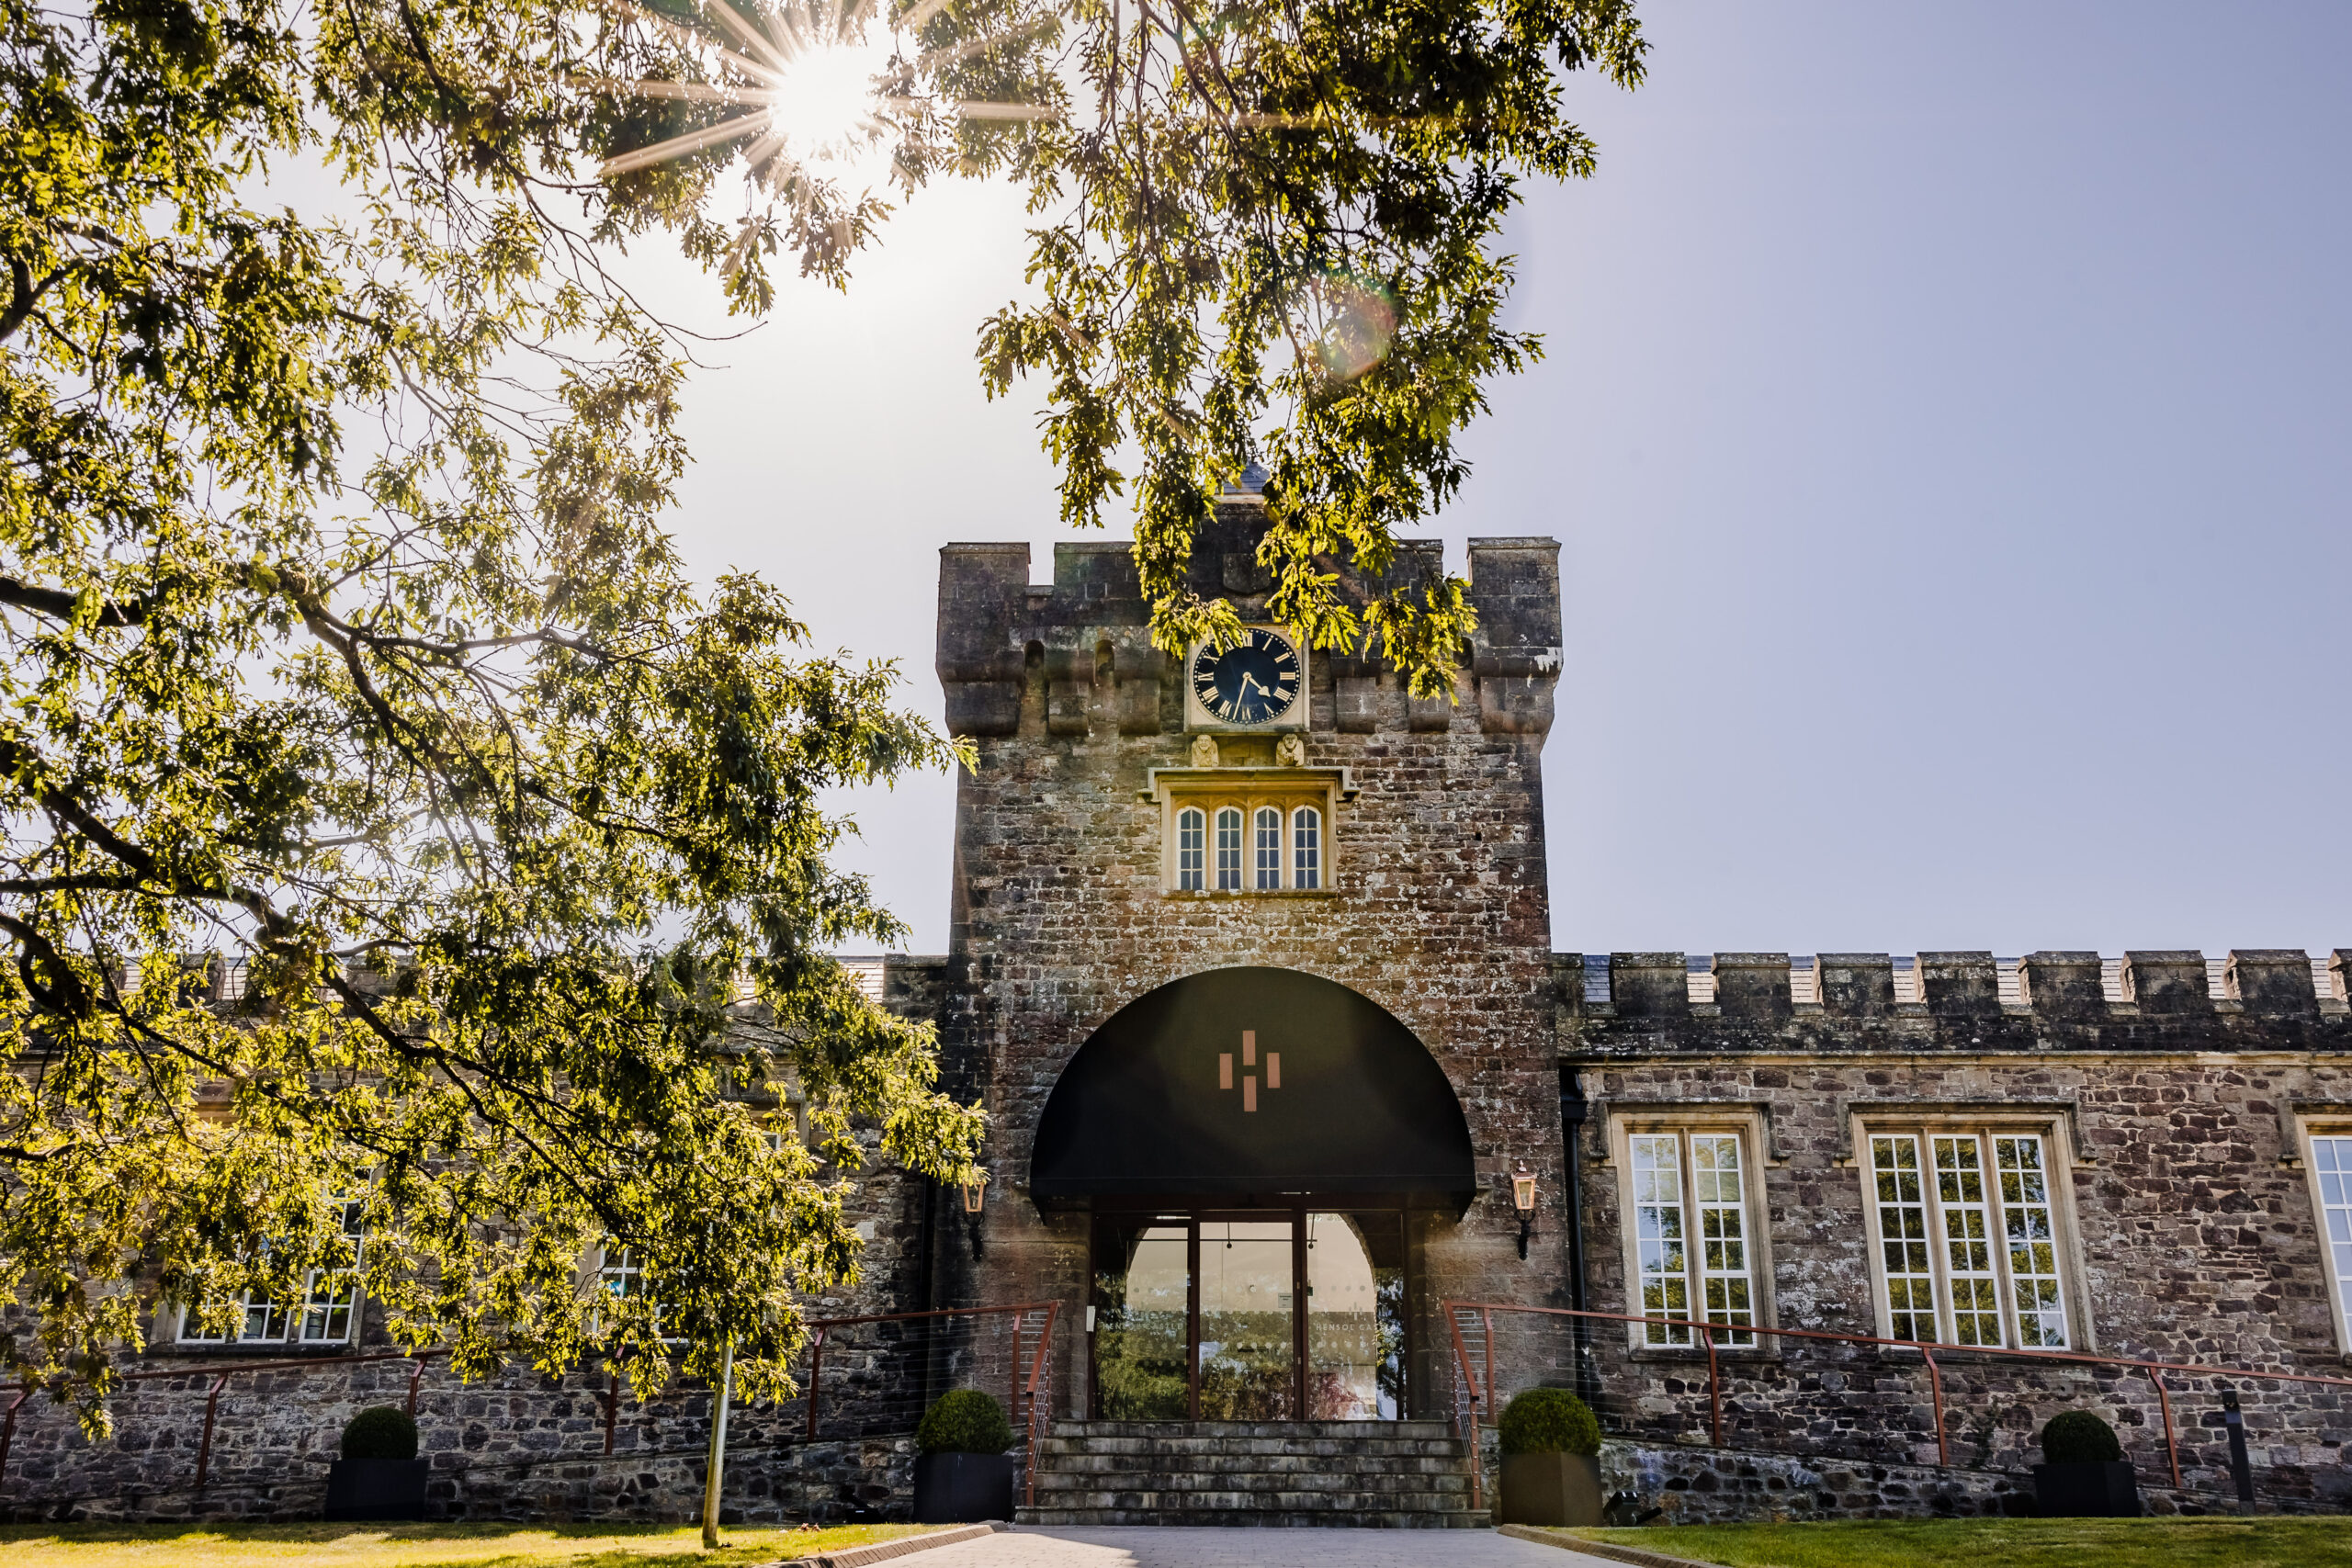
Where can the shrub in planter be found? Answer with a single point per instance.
(2084, 1474)
(378, 1476)
(965, 1475)
(1550, 1446)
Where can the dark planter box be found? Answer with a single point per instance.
(963, 1489)
(2097, 1491)
(1550, 1489)
(376, 1489)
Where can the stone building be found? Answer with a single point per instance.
(1295, 1112)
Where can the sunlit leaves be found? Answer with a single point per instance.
(344, 645)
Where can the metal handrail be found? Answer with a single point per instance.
(221, 1376)
(1040, 1366)
(1927, 1349)
(817, 1340)
(1039, 1377)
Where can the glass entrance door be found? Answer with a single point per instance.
(1247, 1333)
(1256, 1316)
(1141, 1319)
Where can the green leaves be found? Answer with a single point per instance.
(1271, 235)
(344, 646)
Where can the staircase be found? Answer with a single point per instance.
(1401, 1474)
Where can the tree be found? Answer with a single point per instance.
(344, 644)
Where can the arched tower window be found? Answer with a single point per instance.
(1307, 848)
(1192, 836)
(1269, 846)
(1229, 850)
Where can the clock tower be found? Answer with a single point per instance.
(1250, 961)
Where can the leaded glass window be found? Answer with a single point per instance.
(1307, 848)
(1687, 1185)
(1269, 848)
(1968, 1243)
(1192, 837)
(2331, 1167)
(1228, 851)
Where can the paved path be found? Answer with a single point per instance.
(1037, 1546)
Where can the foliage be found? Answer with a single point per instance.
(1268, 227)
(424, 1546)
(1548, 1421)
(2170, 1542)
(2079, 1436)
(381, 1431)
(344, 650)
(964, 1421)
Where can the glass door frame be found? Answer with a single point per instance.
(1193, 1214)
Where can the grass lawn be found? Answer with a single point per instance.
(418, 1546)
(2004, 1543)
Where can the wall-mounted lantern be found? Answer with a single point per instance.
(976, 1193)
(1522, 1199)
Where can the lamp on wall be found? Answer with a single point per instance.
(1522, 1198)
(975, 1192)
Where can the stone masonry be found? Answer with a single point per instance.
(2176, 1099)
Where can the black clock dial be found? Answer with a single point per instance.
(1253, 681)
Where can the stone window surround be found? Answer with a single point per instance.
(1752, 1124)
(2052, 1122)
(2323, 1119)
(1246, 789)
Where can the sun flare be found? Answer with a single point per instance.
(823, 106)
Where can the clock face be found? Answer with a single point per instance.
(1254, 681)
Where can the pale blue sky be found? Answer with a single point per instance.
(1949, 423)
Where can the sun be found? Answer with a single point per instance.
(813, 77)
(824, 102)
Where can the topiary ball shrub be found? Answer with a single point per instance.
(1549, 1421)
(2077, 1437)
(964, 1422)
(381, 1431)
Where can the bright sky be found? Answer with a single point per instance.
(1949, 423)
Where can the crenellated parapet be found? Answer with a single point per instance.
(2254, 998)
(1085, 637)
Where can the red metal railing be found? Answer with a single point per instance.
(1029, 1378)
(1032, 1381)
(1481, 1410)
(221, 1376)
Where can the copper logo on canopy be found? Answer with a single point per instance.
(1249, 1060)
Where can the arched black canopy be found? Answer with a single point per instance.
(1347, 1100)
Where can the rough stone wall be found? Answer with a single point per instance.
(1437, 905)
(2192, 1217)
(519, 1445)
(1706, 1486)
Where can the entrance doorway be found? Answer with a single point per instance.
(1249, 1315)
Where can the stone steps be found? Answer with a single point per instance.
(1400, 1474)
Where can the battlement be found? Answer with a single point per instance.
(2070, 986)
(1090, 627)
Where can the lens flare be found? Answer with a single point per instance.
(1360, 320)
(824, 101)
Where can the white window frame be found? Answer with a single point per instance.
(1192, 849)
(1701, 1266)
(324, 1316)
(621, 1278)
(1973, 1232)
(1232, 858)
(272, 1316)
(1265, 851)
(2327, 1140)
(331, 1297)
(1305, 849)
(1196, 861)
